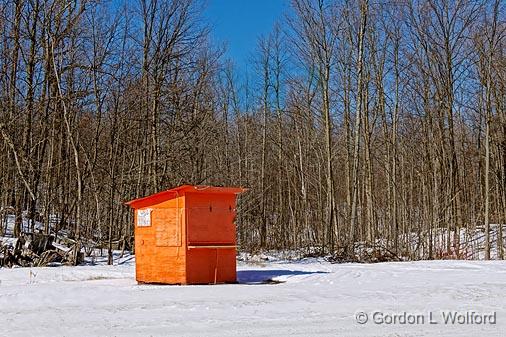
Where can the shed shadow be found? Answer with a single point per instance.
(268, 276)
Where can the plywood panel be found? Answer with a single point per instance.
(211, 226)
(205, 200)
(178, 202)
(167, 227)
(211, 265)
(162, 265)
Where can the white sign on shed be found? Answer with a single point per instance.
(144, 217)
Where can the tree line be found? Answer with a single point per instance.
(380, 122)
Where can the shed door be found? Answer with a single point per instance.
(167, 227)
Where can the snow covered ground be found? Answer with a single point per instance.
(315, 298)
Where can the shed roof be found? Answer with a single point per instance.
(175, 192)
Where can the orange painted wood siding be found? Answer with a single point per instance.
(206, 266)
(211, 218)
(210, 221)
(160, 248)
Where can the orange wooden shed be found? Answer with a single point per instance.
(186, 235)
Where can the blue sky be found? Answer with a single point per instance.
(239, 23)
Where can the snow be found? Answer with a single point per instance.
(10, 219)
(310, 297)
(61, 247)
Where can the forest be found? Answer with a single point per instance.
(357, 123)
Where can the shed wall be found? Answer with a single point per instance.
(160, 248)
(210, 222)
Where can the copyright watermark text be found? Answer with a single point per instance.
(431, 317)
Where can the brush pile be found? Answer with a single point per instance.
(37, 250)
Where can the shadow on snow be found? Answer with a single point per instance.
(268, 276)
